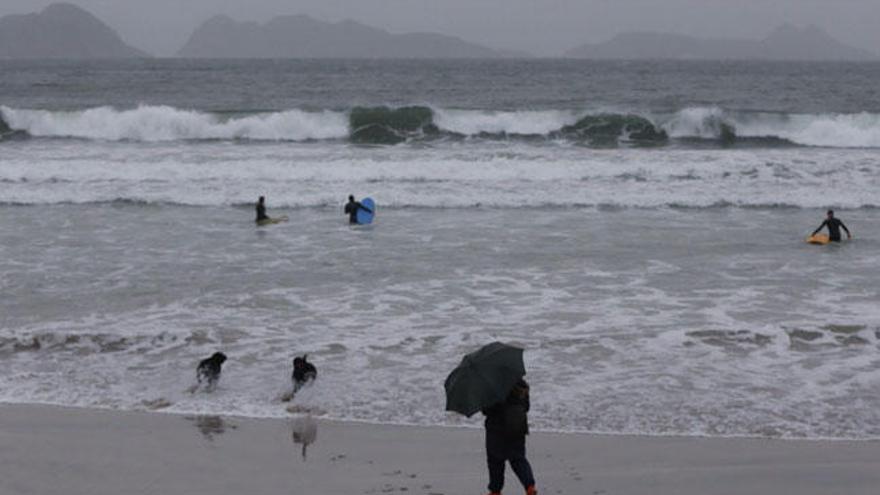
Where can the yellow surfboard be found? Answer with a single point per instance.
(270, 221)
(818, 239)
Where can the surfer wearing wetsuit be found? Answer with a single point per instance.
(261, 209)
(352, 207)
(834, 225)
(303, 373)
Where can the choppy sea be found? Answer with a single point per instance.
(637, 226)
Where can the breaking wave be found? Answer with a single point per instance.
(387, 126)
(861, 130)
(162, 123)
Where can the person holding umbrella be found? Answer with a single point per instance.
(506, 429)
(491, 380)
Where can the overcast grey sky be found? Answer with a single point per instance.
(543, 27)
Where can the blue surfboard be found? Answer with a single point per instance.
(365, 216)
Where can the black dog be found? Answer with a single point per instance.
(303, 372)
(209, 370)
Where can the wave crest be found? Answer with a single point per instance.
(861, 130)
(389, 125)
(610, 128)
(384, 125)
(163, 123)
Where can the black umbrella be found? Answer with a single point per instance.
(484, 378)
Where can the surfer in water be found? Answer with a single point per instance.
(351, 209)
(834, 225)
(261, 210)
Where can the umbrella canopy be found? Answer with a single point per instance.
(484, 378)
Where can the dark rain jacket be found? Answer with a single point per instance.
(510, 417)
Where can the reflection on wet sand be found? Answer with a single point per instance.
(211, 426)
(304, 430)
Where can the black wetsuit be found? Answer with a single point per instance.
(303, 373)
(209, 369)
(351, 208)
(834, 225)
(261, 212)
(506, 429)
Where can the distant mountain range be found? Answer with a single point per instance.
(787, 42)
(61, 30)
(300, 36)
(64, 30)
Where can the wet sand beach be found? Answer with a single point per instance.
(51, 450)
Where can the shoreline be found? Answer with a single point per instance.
(56, 449)
(468, 427)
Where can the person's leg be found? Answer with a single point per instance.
(495, 457)
(516, 454)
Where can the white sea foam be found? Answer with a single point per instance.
(690, 337)
(699, 122)
(641, 319)
(832, 130)
(163, 123)
(455, 176)
(860, 130)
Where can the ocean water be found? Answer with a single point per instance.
(637, 227)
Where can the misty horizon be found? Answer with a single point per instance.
(544, 37)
